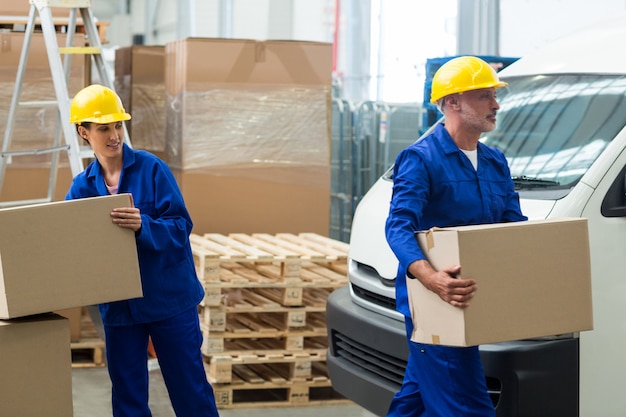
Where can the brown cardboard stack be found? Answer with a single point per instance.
(248, 133)
(54, 257)
(36, 367)
(140, 83)
(534, 280)
(34, 128)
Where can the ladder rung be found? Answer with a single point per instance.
(7, 204)
(34, 151)
(86, 152)
(64, 3)
(39, 103)
(80, 50)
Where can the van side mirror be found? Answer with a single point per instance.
(614, 203)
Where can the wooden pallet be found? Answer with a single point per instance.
(263, 340)
(288, 259)
(243, 394)
(314, 278)
(275, 368)
(88, 352)
(232, 320)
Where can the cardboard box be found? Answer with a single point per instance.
(248, 134)
(534, 280)
(65, 254)
(36, 364)
(28, 183)
(22, 7)
(271, 200)
(75, 317)
(140, 83)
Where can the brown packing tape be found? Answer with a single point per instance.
(243, 66)
(430, 239)
(296, 64)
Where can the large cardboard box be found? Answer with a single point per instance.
(248, 133)
(256, 200)
(534, 280)
(140, 83)
(36, 365)
(66, 254)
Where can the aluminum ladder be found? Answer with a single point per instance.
(60, 72)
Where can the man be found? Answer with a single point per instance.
(448, 179)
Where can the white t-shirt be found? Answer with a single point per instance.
(473, 157)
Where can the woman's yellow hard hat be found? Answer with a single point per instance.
(461, 74)
(97, 104)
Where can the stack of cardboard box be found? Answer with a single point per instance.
(245, 127)
(55, 256)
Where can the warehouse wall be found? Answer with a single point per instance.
(387, 67)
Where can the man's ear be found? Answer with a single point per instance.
(452, 100)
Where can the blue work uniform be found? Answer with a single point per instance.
(167, 312)
(435, 184)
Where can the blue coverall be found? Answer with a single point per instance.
(435, 184)
(167, 312)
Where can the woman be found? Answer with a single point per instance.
(167, 313)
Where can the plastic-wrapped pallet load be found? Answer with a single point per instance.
(248, 134)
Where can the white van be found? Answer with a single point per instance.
(562, 127)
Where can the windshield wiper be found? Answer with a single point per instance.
(533, 182)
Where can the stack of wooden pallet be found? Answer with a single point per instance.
(263, 316)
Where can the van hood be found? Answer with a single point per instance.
(368, 243)
(536, 209)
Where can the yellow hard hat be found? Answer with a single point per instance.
(97, 104)
(461, 74)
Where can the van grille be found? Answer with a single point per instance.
(378, 363)
(387, 367)
(374, 298)
(368, 359)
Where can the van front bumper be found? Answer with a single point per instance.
(368, 353)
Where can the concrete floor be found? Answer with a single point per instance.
(92, 394)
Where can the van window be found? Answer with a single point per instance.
(553, 127)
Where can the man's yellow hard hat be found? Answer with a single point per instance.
(461, 74)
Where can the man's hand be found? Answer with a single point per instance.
(456, 291)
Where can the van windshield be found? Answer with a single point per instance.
(553, 127)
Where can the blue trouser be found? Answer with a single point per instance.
(177, 343)
(442, 381)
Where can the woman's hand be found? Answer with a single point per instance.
(128, 217)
